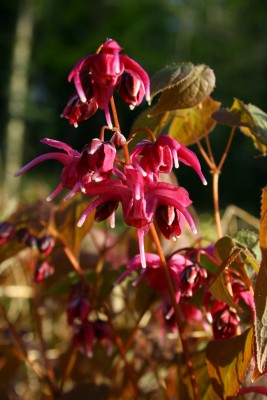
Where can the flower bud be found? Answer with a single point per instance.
(7, 232)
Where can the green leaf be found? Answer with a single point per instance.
(228, 362)
(251, 119)
(170, 77)
(189, 91)
(191, 124)
(208, 264)
(66, 218)
(260, 294)
(220, 292)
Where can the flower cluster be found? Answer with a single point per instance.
(86, 331)
(96, 76)
(41, 245)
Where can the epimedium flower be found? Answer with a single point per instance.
(95, 163)
(105, 70)
(154, 273)
(162, 155)
(140, 198)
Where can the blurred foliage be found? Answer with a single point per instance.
(229, 36)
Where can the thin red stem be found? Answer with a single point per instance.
(177, 312)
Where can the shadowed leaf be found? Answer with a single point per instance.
(228, 362)
(187, 92)
(170, 77)
(36, 217)
(66, 218)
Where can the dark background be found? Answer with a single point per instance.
(228, 35)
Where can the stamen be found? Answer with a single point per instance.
(175, 159)
(112, 220)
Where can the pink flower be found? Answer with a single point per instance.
(192, 279)
(87, 332)
(225, 322)
(7, 232)
(79, 305)
(140, 199)
(162, 155)
(95, 163)
(76, 111)
(43, 270)
(154, 273)
(105, 70)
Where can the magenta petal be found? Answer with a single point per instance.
(58, 145)
(63, 158)
(133, 66)
(188, 157)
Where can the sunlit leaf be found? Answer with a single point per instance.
(219, 290)
(66, 218)
(228, 362)
(260, 295)
(191, 124)
(251, 119)
(188, 92)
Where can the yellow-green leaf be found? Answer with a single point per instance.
(251, 120)
(260, 295)
(228, 362)
(191, 124)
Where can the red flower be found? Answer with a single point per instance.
(105, 70)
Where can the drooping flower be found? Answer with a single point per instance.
(225, 322)
(192, 279)
(78, 305)
(7, 232)
(45, 244)
(154, 273)
(43, 270)
(86, 333)
(95, 163)
(162, 155)
(140, 199)
(105, 70)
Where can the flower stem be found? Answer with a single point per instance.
(177, 312)
(215, 189)
(117, 125)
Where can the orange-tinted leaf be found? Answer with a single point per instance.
(191, 124)
(66, 218)
(228, 362)
(188, 92)
(260, 294)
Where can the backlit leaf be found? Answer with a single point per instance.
(66, 219)
(191, 124)
(188, 92)
(228, 361)
(251, 119)
(260, 295)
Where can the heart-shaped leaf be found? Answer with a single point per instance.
(228, 361)
(189, 91)
(251, 119)
(191, 124)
